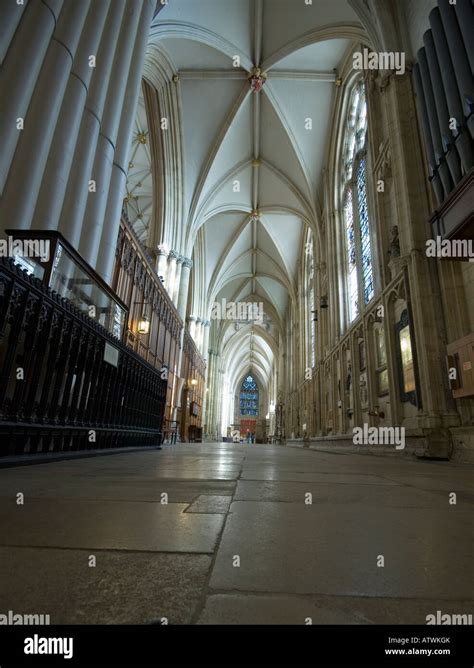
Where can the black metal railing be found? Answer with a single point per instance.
(65, 382)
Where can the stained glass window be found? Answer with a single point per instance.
(352, 283)
(310, 309)
(357, 225)
(367, 274)
(249, 397)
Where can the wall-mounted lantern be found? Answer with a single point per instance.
(143, 325)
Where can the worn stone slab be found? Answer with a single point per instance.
(207, 503)
(120, 525)
(288, 547)
(287, 609)
(178, 491)
(397, 496)
(123, 588)
(274, 473)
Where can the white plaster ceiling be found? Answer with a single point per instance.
(259, 140)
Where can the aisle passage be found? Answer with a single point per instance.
(221, 533)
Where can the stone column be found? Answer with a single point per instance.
(184, 287)
(192, 326)
(205, 347)
(171, 273)
(210, 398)
(177, 279)
(198, 335)
(206, 356)
(219, 402)
(162, 261)
(422, 285)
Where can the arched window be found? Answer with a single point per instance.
(359, 272)
(249, 397)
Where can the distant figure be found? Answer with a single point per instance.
(249, 436)
(253, 438)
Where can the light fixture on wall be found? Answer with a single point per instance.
(194, 381)
(324, 301)
(143, 326)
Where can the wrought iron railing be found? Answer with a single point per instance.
(65, 382)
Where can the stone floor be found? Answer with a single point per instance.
(237, 540)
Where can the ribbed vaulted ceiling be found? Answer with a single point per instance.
(253, 161)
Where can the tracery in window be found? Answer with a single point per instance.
(356, 220)
(310, 303)
(249, 396)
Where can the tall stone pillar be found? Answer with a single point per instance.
(192, 326)
(184, 287)
(205, 346)
(171, 273)
(177, 279)
(435, 415)
(162, 262)
(198, 337)
(209, 395)
(206, 357)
